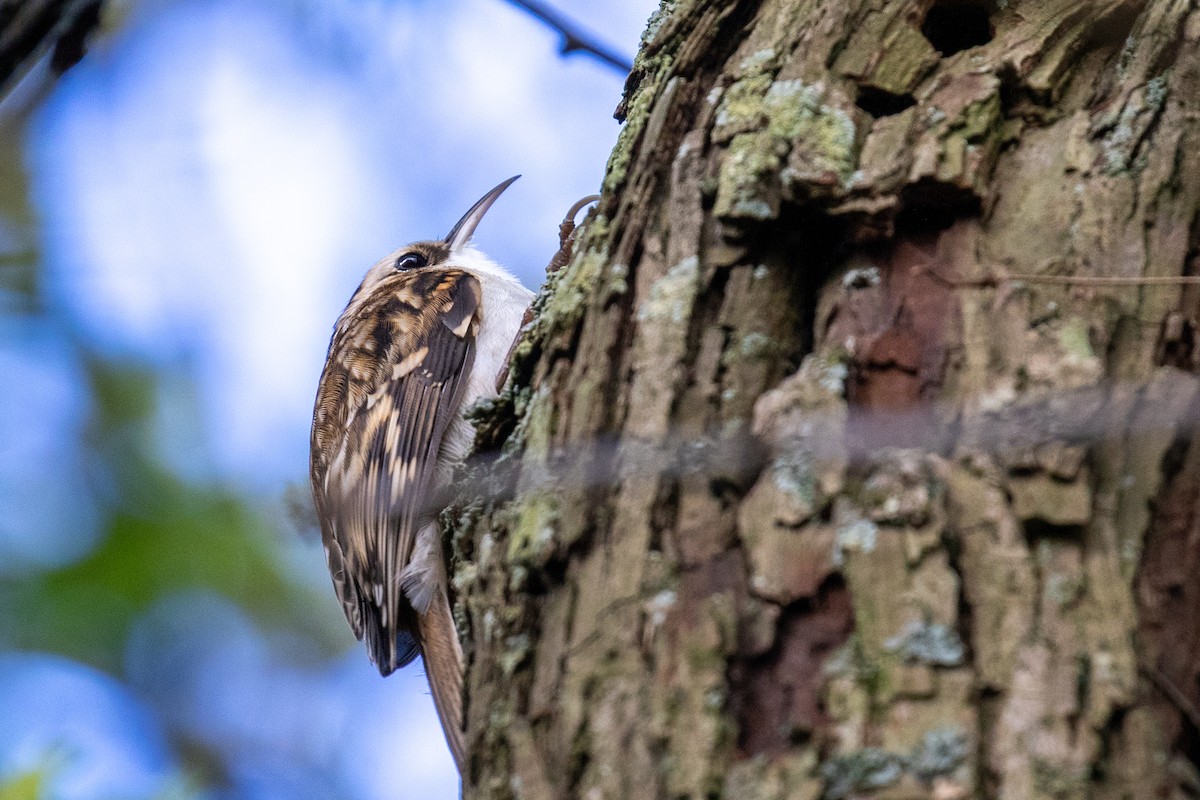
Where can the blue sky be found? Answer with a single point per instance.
(215, 179)
(211, 182)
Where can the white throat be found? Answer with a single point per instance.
(502, 309)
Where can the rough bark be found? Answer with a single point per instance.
(813, 482)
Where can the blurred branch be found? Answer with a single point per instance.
(574, 39)
(30, 27)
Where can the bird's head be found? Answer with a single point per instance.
(454, 251)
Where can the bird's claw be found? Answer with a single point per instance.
(566, 234)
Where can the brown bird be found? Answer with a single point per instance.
(424, 335)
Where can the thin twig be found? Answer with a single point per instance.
(574, 39)
(28, 29)
(1107, 280)
(993, 280)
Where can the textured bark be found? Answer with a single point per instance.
(813, 482)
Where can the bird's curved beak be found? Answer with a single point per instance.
(460, 234)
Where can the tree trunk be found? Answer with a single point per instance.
(817, 478)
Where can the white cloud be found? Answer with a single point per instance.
(215, 186)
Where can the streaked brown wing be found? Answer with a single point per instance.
(394, 380)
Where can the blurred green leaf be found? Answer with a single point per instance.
(163, 535)
(24, 787)
(18, 249)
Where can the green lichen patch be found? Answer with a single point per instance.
(928, 643)
(851, 661)
(670, 298)
(763, 121)
(517, 650)
(748, 185)
(618, 281)
(824, 136)
(565, 297)
(940, 752)
(1075, 341)
(534, 412)
(759, 62)
(1127, 129)
(654, 71)
(742, 108)
(532, 539)
(854, 534)
(861, 771)
(964, 129)
(793, 475)
(980, 118)
(790, 106)
(659, 18)
(752, 346)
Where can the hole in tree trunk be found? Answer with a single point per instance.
(1038, 529)
(952, 27)
(879, 103)
(929, 206)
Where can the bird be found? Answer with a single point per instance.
(423, 336)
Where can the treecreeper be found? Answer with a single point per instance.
(424, 335)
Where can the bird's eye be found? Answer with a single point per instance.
(410, 261)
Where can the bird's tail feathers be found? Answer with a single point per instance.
(444, 667)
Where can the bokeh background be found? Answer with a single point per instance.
(182, 217)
